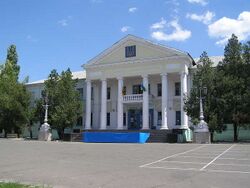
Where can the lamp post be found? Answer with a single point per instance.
(44, 132)
(201, 131)
(202, 125)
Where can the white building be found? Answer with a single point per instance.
(135, 84)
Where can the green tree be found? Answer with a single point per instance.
(64, 101)
(14, 99)
(233, 87)
(207, 75)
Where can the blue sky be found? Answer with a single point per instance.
(67, 33)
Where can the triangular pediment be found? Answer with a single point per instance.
(144, 50)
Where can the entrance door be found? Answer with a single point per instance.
(134, 119)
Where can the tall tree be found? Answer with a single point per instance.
(14, 99)
(205, 74)
(64, 101)
(233, 88)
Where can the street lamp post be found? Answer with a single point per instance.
(44, 132)
(201, 131)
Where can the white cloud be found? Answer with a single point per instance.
(132, 9)
(178, 34)
(201, 2)
(159, 25)
(205, 18)
(63, 22)
(125, 29)
(223, 28)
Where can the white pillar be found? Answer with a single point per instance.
(104, 105)
(120, 104)
(88, 105)
(164, 101)
(184, 117)
(145, 110)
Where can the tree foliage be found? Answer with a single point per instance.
(14, 99)
(228, 86)
(64, 101)
(205, 74)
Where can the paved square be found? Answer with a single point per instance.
(125, 165)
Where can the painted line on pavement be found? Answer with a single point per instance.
(204, 167)
(177, 154)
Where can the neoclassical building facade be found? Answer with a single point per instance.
(136, 84)
(133, 85)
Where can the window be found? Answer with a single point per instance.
(108, 119)
(159, 118)
(159, 90)
(149, 89)
(124, 90)
(108, 93)
(79, 121)
(177, 88)
(80, 90)
(91, 120)
(178, 118)
(130, 51)
(137, 89)
(124, 119)
(92, 93)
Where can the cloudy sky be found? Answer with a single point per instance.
(67, 33)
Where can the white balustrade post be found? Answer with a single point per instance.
(120, 104)
(164, 101)
(145, 110)
(88, 105)
(104, 105)
(184, 117)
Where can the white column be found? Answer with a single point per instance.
(164, 101)
(145, 110)
(184, 117)
(88, 105)
(120, 104)
(104, 105)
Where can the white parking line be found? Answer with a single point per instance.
(216, 157)
(182, 162)
(195, 169)
(177, 154)
(195, 157)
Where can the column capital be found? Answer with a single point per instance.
(144, 75)
(164, 74)
(88, 80)
(103, 79)
(183, 73)
(119, 78)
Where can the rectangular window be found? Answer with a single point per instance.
(80, 90)
(108, 119)
(92, 93)
(149, 89)
(178, 118)
(124, 90)
(159, 118)
(177, 88)
(137, 89)
(108, 93)
(159, 90)
(130, 51)
(124, 119)
(79, 121)
(91, 120)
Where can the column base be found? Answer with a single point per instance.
(164, 128)
(184, 127)
(119, 128)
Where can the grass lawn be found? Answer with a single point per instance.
(16, 185)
